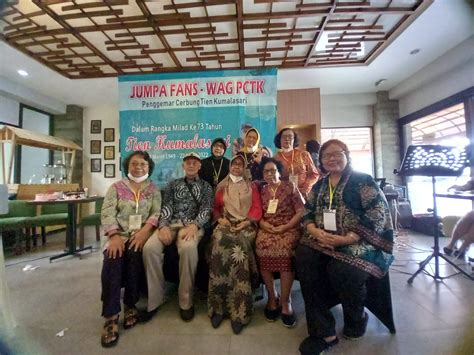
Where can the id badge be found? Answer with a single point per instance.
(135, 222)
(329, 220)
(293, 179)
(272, 206)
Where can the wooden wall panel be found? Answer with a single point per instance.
(299, 107)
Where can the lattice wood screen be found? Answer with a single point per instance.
(87, 39)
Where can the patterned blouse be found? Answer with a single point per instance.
(361, 208)
(120, 204)
(179, 205)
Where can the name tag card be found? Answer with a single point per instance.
(329, 220)
(272, 206)
(293, 179)
(135, 222)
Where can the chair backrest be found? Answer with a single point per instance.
(98, 205)
(54, 208)
(20, 209)
(3, 199)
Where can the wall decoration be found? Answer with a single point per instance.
(96, 146)
(109, 170)
(109, 152)
(96, 165)
(96, 126)
(109, 134)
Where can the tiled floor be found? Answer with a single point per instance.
(431, 317)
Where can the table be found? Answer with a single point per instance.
(71, 228)
(461, 196)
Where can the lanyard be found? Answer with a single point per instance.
(217, 174)
(274, 191)
(331, 194)
(137, 199)
(289, 162)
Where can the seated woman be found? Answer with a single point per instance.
(279, 232)
(233, 270)
(129, 215)
(349, 238)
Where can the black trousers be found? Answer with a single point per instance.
(320, 275)
(126, 271)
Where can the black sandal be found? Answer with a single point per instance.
(130, 318)
(111, 337)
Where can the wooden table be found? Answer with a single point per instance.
(71, 228)
(461, 196)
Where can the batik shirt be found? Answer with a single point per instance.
(119, 204)
(179, 205)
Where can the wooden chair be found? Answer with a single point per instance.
(91, 220)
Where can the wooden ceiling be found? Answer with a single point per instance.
(91, 38)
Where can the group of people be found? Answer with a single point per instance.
(265, 215)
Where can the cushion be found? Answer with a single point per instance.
(12, 223)
(91, 220)
(49, 219)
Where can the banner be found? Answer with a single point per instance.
(169, 115)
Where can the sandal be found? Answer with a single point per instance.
(111, 336)
(130, 318)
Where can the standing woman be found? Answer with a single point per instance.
(298, 165)
(216, 167)
(349, 238)
(279, 233)
(129, 215)
(252, 154)
(233, 270)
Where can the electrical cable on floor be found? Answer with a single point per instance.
(93, 250)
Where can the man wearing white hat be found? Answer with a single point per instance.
(186, 208)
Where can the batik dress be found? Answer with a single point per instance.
(275, 252)
(233, 273)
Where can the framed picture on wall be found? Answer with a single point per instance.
(96, 165)
(96, 146)
(109, 134)
(109, 152)
(109, 170)
(96, 126)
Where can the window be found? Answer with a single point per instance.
(33, 160)
(359, 141)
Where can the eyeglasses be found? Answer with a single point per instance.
(139, 165)
(288, 137)
(337, 155)
(269, 171)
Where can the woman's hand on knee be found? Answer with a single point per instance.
(116, 247)
(138, 240)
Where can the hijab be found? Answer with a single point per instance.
(257, 143)
(237, 195)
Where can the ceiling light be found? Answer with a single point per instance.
(22, 72)
(380, 82)
(415, 51)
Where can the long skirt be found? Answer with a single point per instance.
(233, 273)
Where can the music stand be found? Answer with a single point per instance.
(434, 160)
